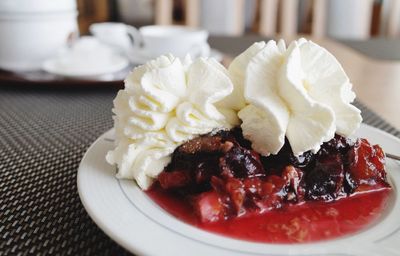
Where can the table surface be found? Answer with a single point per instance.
(377, 48)
(44, 132)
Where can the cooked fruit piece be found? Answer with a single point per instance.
(325, 180)
(205, 144)
(285, 157)
(253, 186)
(204, 170)
(174, 179)
(272, 193)
(367, 164)
(231, 195)
(240, 163)
(338, 144)
(209, 207)
(237, 194)
(294, 183)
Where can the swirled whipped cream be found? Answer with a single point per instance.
(165, 103)
(300, 92)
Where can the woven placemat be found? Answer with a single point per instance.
(43, 136)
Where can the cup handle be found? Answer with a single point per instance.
(200, 50)
(137, 38)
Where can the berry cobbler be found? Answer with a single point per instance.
(260, 151)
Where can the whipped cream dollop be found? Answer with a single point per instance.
(164, 103)
(300, 92)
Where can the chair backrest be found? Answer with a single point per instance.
(391, 18)
(164, 10)
(287, 13)
(268, 15)
(288, 17)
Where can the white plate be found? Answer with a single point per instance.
(133, 220)
(116, 64)
(141, 57)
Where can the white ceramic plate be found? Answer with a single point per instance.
(117, 63)
(133, 220)
(139, 57)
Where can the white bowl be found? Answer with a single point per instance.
(178, 40)
(27, 39)
(36, 6)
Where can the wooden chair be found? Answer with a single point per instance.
(268, 15)
(164, 8)
(391, 26)
(288, 17)
(272, 10)
(91, 11)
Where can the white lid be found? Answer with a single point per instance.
(36, 6)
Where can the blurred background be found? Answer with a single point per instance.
(344, 19)
(54, 35)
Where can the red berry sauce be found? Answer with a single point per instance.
(218, 183)
(309, 222)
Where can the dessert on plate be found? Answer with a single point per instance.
(260, 151)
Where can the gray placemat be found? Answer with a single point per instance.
(43, 136)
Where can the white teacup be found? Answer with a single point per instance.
(152, 41)
(115, 34)
(178, 40)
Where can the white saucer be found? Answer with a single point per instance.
(55, 66)
(86, 58)
(132, 219)
(141, 57)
